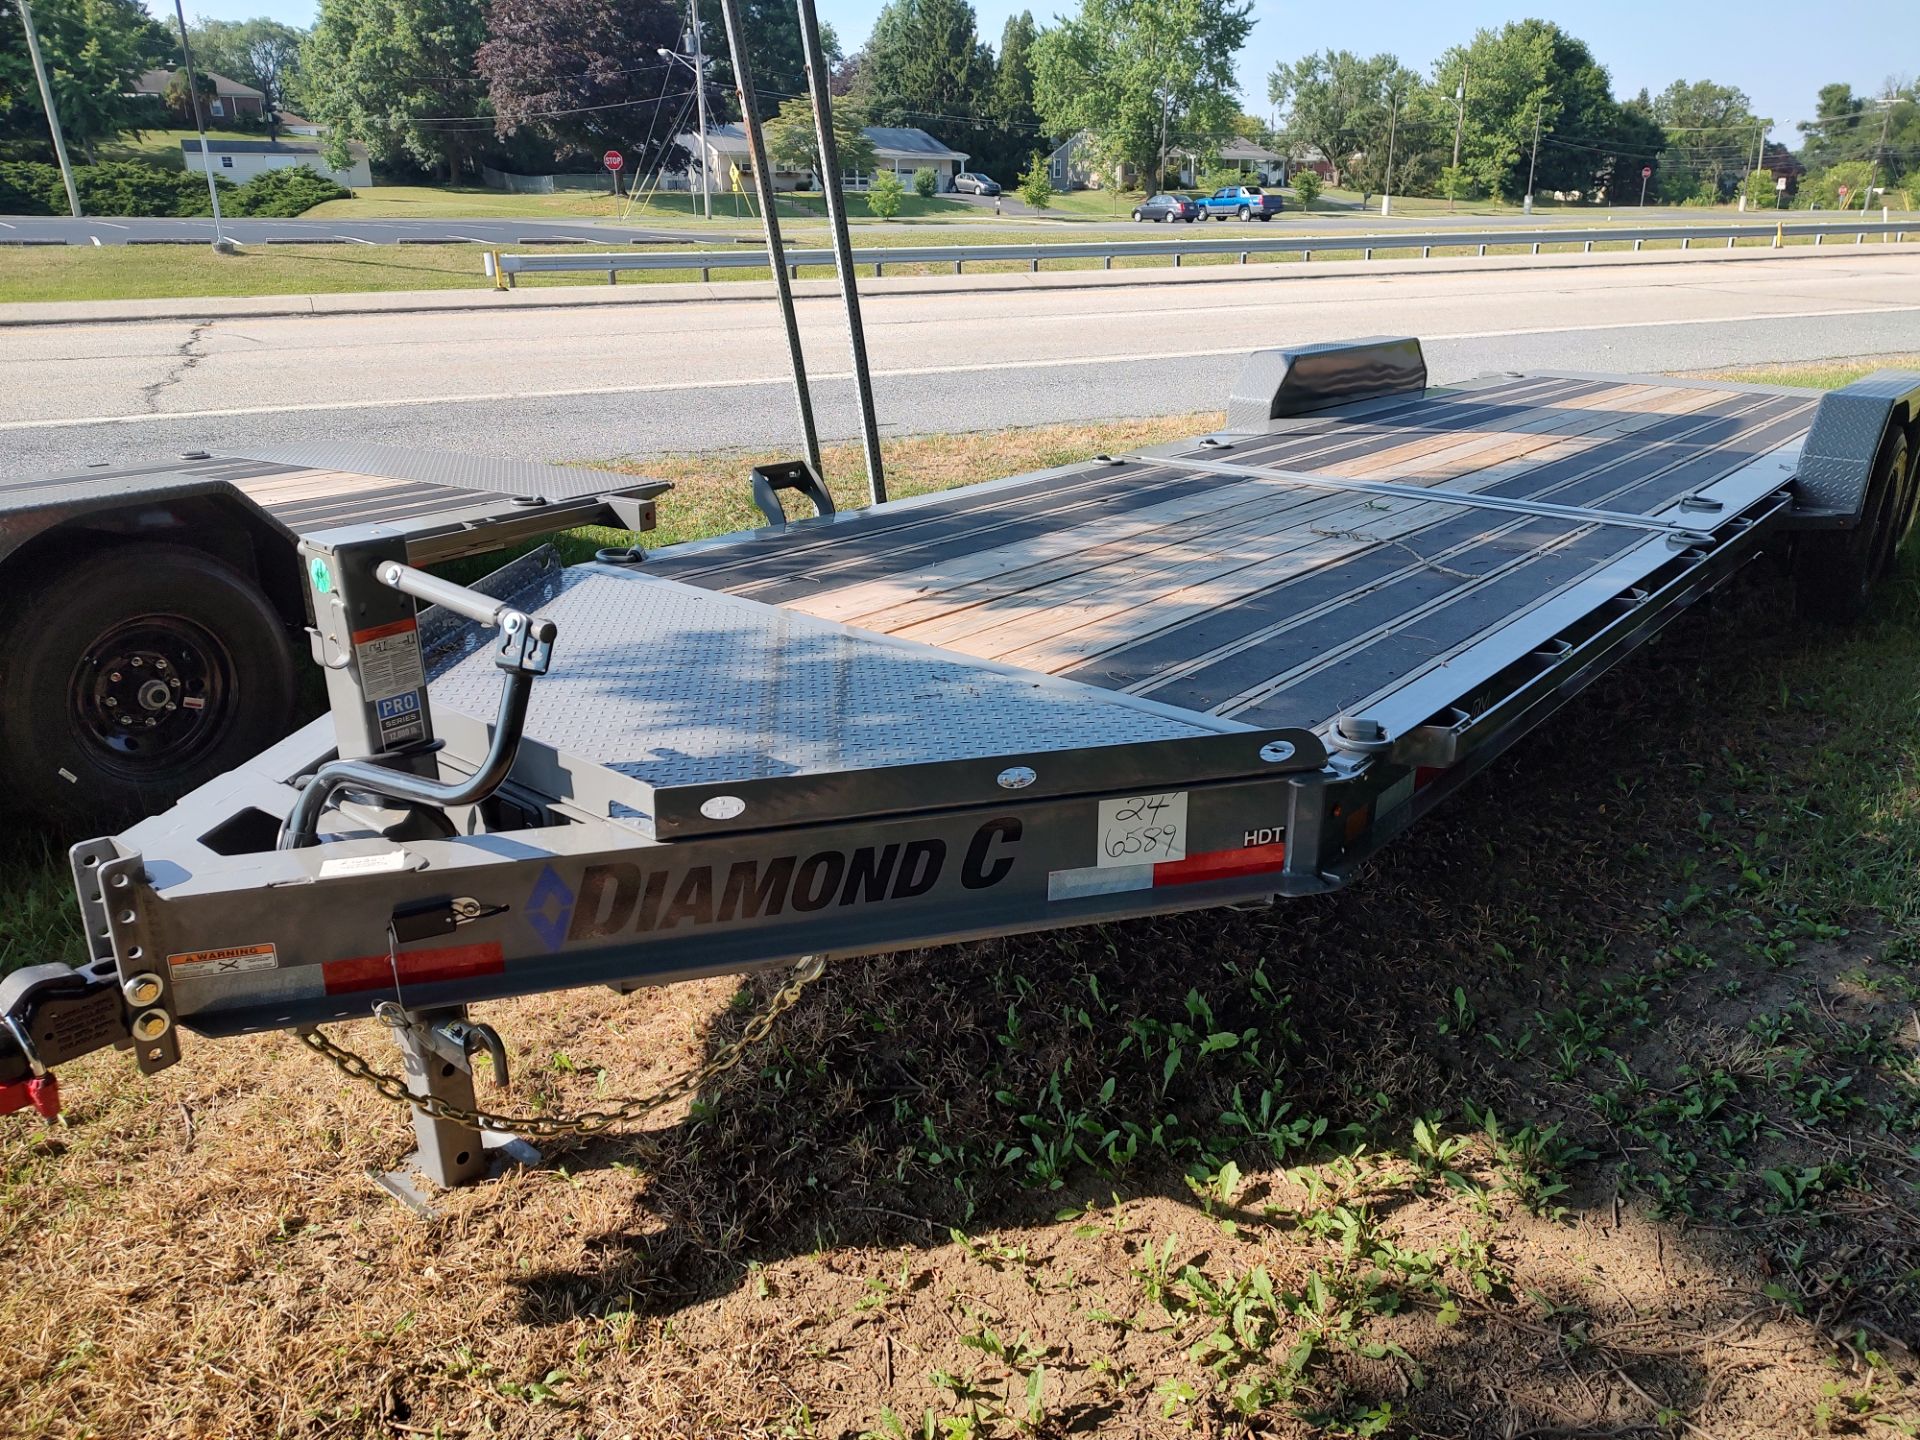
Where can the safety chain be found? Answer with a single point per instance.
(588, 1122)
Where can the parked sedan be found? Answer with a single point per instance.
(1167, 208)
(972, 182)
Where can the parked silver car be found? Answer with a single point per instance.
(972, 182)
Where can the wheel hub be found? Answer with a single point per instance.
(150, 691)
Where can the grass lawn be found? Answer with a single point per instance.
(1592, 1109)
(162, 147)
(55, 273)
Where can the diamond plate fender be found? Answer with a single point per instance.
(1836, 463)
(1274, 384)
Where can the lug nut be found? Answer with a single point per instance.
(152, 721)
(152, 1025)
(143, 989)
(115, 677)
(137, 662)
(113, 702)
(126, 719)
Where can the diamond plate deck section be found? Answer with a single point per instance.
(666, 684)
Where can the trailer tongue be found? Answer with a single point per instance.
(1215, 673)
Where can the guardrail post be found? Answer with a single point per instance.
(1821, 238)
(956, 266)
(1636, 246)
(1106, 263)
(878, 269)
(1176, 259)
(1426, 252)
(1536, 247)
(1306, 255)
(1686, 242)
(1860, 239)
(1483, 251)
(1587, 249)
(1243, 257)
(706, 275)
(1367, 255)
(1730, 240)
(1033, 266)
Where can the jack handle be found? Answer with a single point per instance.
(525, 651)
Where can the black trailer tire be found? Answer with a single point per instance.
(132, 674)
(1835, 571)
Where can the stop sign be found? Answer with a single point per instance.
(613, 160)
(1646, 171)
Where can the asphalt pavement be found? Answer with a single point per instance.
(1019, 223)
(637, 381)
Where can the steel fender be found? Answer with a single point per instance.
(1837, 461)
(1274, 384)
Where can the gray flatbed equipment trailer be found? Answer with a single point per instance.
(1217, 673)
(175, 601)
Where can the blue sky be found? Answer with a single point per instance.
(1780, 53)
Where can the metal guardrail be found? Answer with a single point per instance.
(1247, 242)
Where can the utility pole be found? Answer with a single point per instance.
(1393, 120)
(1533, 165)
(220, 241)
(700, 99)
(1459, 129)
(53, 115)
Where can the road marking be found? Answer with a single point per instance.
(354, 240)
(94, 238)
(110, 224)
(739, 382)
(5, 226)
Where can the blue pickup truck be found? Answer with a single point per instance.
(1240, 202)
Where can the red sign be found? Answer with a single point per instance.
(613, 160)
(1646, 171)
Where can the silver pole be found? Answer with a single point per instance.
(53, 115)
(206, 163)
(818, 89)
(700, 98)
(776, 252)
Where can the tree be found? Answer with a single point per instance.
(1306, 188)
(1016, 124)
(1036, 186)
(94, 51)
(1339, 104)
(180, 94)
(261, 52)
(1836, 132)
(793, 142)
(563, 70)
(771, 29)
(1141, 76)
(926, 184)
(1528, 72)
(885, 194)
(400, 76)
(924, 65)
(1713, 136)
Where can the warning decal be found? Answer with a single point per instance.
(234, 960)
(389, 660)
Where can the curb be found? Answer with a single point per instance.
(413, 302)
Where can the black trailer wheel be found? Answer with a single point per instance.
(137, 673)
(1834, 571)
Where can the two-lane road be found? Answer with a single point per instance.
(650, 378)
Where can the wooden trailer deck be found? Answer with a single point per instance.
(1260, 599)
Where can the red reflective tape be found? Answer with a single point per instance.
(381, 632)
(417, 967)
(1220, 865)
(1425, 775)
